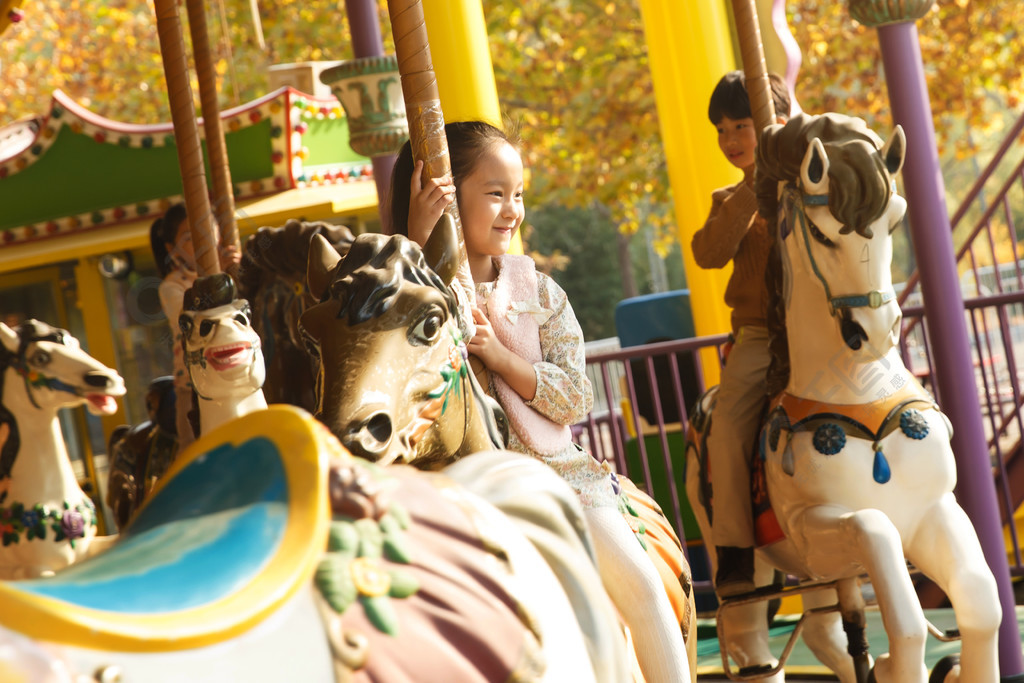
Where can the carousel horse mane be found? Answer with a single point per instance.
(370, 276)
(272, 278)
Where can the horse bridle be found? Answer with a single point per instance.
(873, 299)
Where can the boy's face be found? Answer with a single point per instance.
(737, 140)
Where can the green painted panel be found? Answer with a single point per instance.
(78, 175)
(249, 152)
(327, 142)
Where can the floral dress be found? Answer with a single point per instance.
(564, 394)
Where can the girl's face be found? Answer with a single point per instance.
(181, 251)
(737, 140)
(491, 201)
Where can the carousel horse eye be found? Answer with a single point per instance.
(818, 235)
(427, 329)
(206, 327)
(40, 358)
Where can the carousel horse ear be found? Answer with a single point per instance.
(895, 151)
(814, 169)
(9, 337)
(442, 248)
(322, 260)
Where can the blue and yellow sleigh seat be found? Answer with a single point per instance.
(232, 532)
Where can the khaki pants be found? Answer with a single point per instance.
(734, 428)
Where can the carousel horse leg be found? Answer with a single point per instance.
(835, 539)
(745, 628)
(824, 636)
(947, 550)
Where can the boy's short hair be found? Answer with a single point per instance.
(730, 97)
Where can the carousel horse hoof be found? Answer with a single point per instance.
(755, 671)
(945, 666)
(735, 575)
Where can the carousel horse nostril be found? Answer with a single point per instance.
(379, 427)
(98, 379)
(371, 437)
(853, 334)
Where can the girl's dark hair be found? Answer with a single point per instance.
(467, 141)
(163, 231)
(730, 97)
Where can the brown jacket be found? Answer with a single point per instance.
(735, 232)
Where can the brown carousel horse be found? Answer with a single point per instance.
(272, 278)
(395, 384)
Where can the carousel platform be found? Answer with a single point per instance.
(801, 665)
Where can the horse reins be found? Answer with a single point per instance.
(873, 299)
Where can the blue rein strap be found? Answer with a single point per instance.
(873, 299)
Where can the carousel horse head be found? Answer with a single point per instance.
(48, 521)
(394, 382)
(828, 183)
(222, 352)
(54, 370)
(272, 278)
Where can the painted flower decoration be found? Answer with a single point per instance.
(72, 523)
(369, 577)
(354, 493)
(454, 371)
(829, 438)
(914, 424)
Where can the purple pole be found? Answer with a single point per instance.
(367, 42)
(944, 315)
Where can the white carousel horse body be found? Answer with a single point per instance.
(858, 464)
(49, 522)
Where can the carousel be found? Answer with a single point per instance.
(349, 509)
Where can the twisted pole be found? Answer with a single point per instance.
(186, 136)
(423, 108)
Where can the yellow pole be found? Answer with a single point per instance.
(462, 64)
(689, 51)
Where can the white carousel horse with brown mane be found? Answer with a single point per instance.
(46, 521)
(859, 469)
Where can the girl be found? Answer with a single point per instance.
(530, 341)
(171, 241)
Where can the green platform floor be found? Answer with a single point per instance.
(802, 665)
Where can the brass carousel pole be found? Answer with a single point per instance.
(423, 107)
(216, 149)
(186, 135)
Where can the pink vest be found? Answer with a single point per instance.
(510, 309)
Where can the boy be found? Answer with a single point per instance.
(735, 232)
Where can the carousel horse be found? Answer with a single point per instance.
(395, 384)
(856, 459)
(47, 522)
(272, 278)
(141, 454)
(315, 565)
